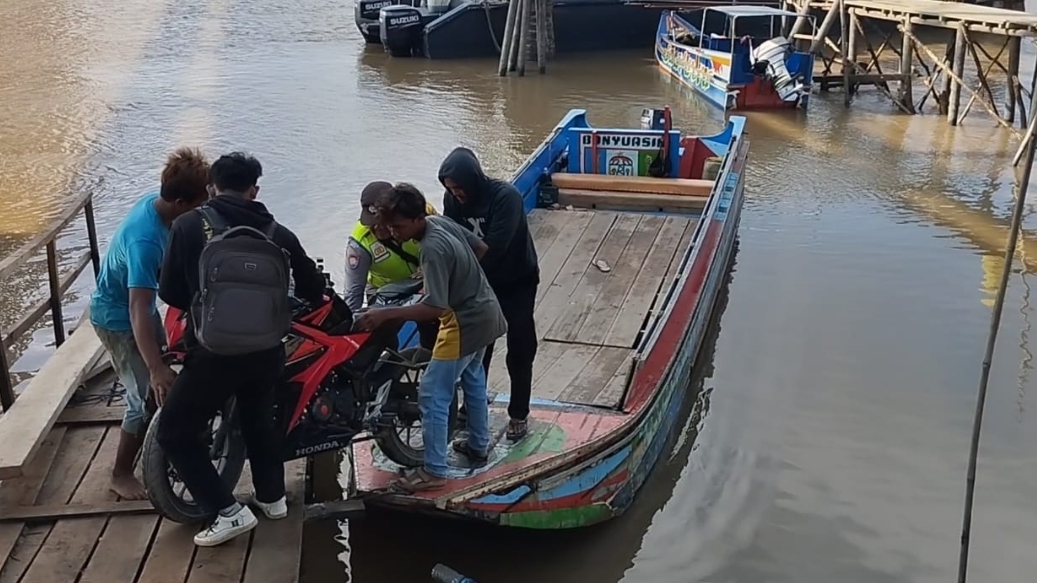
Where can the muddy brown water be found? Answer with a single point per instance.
(827, 435)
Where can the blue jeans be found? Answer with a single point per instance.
(434, 396)
(132, 371)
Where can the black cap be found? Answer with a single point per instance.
(368, 197)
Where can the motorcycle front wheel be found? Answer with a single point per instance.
(400, 438)
(166, 491)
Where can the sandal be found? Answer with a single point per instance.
(464, 448)
(517, 429)
(419, 481)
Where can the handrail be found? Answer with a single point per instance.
(57, 284)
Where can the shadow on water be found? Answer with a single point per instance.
(491, 554)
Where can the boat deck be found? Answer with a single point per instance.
(59, 522)
(589, 321)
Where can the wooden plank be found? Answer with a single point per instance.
(564, 371)
(607, 306)
(632, 201)
(615, 389)
(74, 453)
(554, 257)
(632, 312)
(222, 564)
(643, 184)
(121, 549)
(566, 327)
(70, 543)
(557, 296)
(91, 415)
(26, 489)
(24, 427)
(169, 559)
(52, 512)
(547, 354)
(276, 551)
(596, 375)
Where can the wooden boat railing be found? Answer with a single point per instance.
(58, 284)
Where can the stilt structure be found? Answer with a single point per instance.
(941, 77)
(528, 35)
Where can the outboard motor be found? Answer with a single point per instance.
(400, 29)
(770, 57)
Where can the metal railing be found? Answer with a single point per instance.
(57, 284)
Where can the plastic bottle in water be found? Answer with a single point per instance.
(444, 574)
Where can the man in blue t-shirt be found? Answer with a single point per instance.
(123, 308)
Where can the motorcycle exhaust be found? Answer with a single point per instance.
(444, 574)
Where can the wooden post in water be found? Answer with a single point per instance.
(509, 33)
(849, 64)
(958, 67)
(949, 60)
(905, 94)
(1014, 45)
(523, 45)
(826, 25)
(1027, 149)
(852, 42)
(541, 35)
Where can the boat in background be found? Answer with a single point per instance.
(635, 230)
(735, 56)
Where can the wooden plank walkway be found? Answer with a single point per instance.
(59, 522)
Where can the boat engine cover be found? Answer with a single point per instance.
(773, 53)
(400, 29)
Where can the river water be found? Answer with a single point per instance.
(828, 440)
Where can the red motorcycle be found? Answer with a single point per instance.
(338, 384)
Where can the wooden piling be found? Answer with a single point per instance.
(826, 25)
(849, 63)
(957, 68)
(948, 59)
(516, 36)
(905, 94)
(853, 41)
(523, 45)
(541, 35)
(1014, 97)
(509, 32)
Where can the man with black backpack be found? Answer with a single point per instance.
(228, 265)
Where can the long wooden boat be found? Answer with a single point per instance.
(735, 56)
(634, 244)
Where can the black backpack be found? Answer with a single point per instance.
(243, 280)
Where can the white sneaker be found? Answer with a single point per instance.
(225, 528)
(274, 510)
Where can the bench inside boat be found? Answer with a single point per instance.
(607, 253)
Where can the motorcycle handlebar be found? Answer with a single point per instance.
(443, 574)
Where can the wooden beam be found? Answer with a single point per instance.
(15, 260)
(959, 52)
(642, 184)
(52, 512)
(24, 426)
(91, 415)
(336, 509)
(630, 201)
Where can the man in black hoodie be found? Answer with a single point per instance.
(208, 380)
(494, 210)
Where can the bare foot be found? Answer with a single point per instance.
(128, 488)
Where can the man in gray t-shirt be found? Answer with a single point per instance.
(457, 293)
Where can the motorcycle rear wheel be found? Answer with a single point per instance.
(165, 491)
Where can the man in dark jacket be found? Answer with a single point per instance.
(494, 210)
(207, 380)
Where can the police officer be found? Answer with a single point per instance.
(375, 259)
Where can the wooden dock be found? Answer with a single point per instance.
(849, 59)
(59, 522)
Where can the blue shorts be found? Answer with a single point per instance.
(133, 372)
